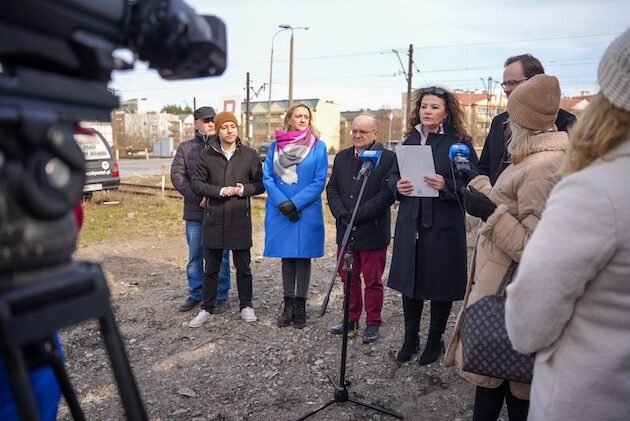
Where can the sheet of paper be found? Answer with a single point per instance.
(414, 162)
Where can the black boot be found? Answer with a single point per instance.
(433, 350)
(286, 317)
(412, 310)
(299, 313)
(410, 346)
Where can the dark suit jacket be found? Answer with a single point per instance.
(493, 158)
(371, 228)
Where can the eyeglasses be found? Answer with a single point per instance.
(362, 132)
(512, 83)
(432, 90)
(207, 120)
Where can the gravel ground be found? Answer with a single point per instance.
(232, 370)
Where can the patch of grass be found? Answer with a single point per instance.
(115, 216)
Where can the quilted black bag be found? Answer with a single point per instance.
(486, 348)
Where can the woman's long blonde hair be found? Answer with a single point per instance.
(292, 108)
(520, 144)
(601, 127)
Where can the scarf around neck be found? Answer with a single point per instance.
(291, 149)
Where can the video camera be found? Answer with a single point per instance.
(56, 59)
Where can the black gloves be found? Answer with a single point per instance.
(288, 208)
(345, 217)
(477, 203)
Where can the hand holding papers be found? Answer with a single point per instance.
(415, 162)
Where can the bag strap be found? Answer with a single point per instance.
(507, 278)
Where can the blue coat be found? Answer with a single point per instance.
(304, 238)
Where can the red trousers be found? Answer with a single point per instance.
(370, 263)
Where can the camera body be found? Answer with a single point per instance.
(54, 73)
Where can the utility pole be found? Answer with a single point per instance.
(489, 96)
(194, 103)
(489, 88)
(247, 134)
(409, 73)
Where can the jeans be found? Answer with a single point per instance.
(194, 270)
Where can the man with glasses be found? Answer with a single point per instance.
(182, 170)
(371, 229)
(494, 158)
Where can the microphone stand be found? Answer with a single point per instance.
(341, 388)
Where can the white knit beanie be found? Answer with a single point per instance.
(613, 73)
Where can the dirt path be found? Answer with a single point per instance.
(230, 370)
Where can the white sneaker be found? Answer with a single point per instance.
(248, 314)
(201, 317)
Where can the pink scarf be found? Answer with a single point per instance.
(291, 149)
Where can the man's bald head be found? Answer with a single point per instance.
(364, 132)
(365, 119)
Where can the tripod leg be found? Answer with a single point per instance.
(346, 316)
(315, 411)
(121, 368)
(52, 354)
(391, 412)
(21, 385)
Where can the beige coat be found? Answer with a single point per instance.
(570, 302)
(521, 193)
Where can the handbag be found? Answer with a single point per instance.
(486, 347)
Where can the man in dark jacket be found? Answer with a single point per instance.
(182, 170)
(227, 175)
(371, 229)
(494, 157)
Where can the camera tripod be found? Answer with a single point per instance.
(341, 387)
(30, 313)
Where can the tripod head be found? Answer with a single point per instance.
(54, 73)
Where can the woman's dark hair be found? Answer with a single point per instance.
(531, 65)
(454, 122)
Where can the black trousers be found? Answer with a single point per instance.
(296, 276)
(241, 259)
(489, 402)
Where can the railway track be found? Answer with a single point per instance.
(148, 190)
(152, 190)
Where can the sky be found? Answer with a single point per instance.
(347, 55)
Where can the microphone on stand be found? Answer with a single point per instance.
(459, 155)
(370, 159)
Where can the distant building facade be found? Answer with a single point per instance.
(388, 121)
(262, 128)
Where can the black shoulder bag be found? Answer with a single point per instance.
(486, 348)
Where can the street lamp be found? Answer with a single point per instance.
(291, 60)
(282, 29)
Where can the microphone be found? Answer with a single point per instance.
(459, 155)
(370, 159)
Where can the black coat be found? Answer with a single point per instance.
(439, 272)
(371, 228)
(493, 158)
(227, 221)
(182, 170)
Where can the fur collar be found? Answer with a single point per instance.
(547, 141)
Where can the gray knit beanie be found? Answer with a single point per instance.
(613, 73)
